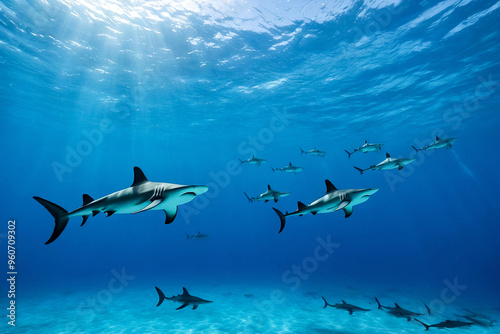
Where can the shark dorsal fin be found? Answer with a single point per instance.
(290, 164)
(185, 292)
(397, 306)
(366, 141)
(139, 177)
(268, 187)
(253, 156)
(87, 199)
(387, 155)
(343, 302)
(329, 186)
(301, 205)
(437, 138)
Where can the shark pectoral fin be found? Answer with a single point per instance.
(350, 312)
(275, 199)
(85, 219)
(170, 215)
(348, 211)
(151, 205)
(342, 205)
(94, 212)
(195, 307)
(400, 167)
(265, 201)
(182, 306)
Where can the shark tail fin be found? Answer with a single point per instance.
(241, 161)
(348, 154)
(282, 219)
(378, 303)
(359, 170)
(273, 169)
(59, 214)
(416, 149)
(326, 303)
(302, 151)
(249, 199)
(425, 325)
(160, 295)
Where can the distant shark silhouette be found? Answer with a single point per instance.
(388, 163)
(334, 200)
(270, 194)
(289, 169)
(344, 306)
(367, 147)
(398, 311)
(186, 299)
(197, 236)
(439, 143)
(143, 195)
(314, 152)
(253, 161)
(446, 324)
(480, 322)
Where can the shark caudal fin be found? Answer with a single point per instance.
(249, 199)
(273, 169)
(302, 151)
(359, 170)
(416, 149)
(348, 153)
(378, 303)
(326, 303)
(425, 325)
(160, 295)
(59, 215)
(282, 219)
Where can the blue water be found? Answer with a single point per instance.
(184, 89)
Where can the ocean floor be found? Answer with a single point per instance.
(235, 309)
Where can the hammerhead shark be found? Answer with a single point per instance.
(344, 306)
(367, 147)
(143, 195)
(388, 163)
(314, 152)
(334, 200)
(439, 143)
(398, 311)
(289, 169)
(186, 299)
(253, 161)
(270, 194)
(446, 324)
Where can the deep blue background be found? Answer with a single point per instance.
(182, 110)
